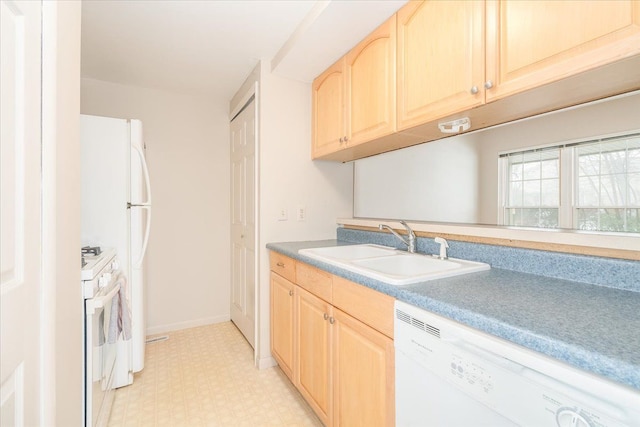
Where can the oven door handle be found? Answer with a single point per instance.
(99, 302)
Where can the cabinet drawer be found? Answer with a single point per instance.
(315, 281)
(283, 265)
(370, 307)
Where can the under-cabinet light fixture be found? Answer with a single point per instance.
(455, 126)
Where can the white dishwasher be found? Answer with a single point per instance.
(450, 375)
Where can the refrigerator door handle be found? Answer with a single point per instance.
(138, 263)
(145, 171)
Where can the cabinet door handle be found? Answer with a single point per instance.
(488, 84)
(326, 316)
(280, 264)
(341, 140)
(332, 320)
(474, 90)
(346, 138)
(290, 293)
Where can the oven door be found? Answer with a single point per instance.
(100, 354)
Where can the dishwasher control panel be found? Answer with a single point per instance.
(470, 373)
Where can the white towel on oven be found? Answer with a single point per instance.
(120, 322)
(112, 332)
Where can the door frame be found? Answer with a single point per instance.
(243, 101)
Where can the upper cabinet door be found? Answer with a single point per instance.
(328, 105)
(531, 43)
(440, 59)
(371, 85)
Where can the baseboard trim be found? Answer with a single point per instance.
(266, 362)
(187, 324)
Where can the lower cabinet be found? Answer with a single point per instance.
(363, 374)
(341, 360)
(282, 332)
(314, 353)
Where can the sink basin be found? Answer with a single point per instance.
(349, 252)
(392, 266)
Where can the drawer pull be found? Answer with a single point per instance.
(280, 264)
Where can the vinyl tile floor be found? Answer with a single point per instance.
(205, 376)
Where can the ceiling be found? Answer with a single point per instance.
(211, 46)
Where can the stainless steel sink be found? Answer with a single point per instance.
(390, 265)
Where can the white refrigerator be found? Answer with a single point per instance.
(116, 212)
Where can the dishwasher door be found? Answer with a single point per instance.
(423, 399)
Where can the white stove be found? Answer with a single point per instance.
(101, 283)
(94, 263)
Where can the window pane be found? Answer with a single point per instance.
(622, 220)
(516, 172)
(612, 190)
(531, 193)
(532, 217)
(548, 218)
(633, 160)
(589, 165)
(588, 219)
(612, 219)
(550, 168)
(633, 220)
(550, 192)
(531, 170)
(588, 191)
(634, 190)
(613, 162)
(515, 194)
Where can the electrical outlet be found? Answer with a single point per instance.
(301, 213)
(282, 214)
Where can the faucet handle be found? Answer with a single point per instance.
(443, 247)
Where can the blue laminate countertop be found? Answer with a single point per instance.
(591, 327)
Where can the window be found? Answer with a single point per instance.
(608, 185)
(533, 188)
(592, 185)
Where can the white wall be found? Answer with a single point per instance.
(438, 181)
(62, 301)
(289, 178)
(187, 139)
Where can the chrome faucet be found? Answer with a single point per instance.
(410, 241)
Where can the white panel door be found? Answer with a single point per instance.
(20, 213)
(243, 226)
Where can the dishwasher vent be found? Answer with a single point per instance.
(417, 323)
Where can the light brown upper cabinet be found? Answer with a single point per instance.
(532, 43)
(354, 100)
(328, 115)
(440, 59)
(371, 85)
(493, 61)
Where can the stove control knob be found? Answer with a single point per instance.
(102, 281)
(115, 264)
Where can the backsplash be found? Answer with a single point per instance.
(613, 273)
